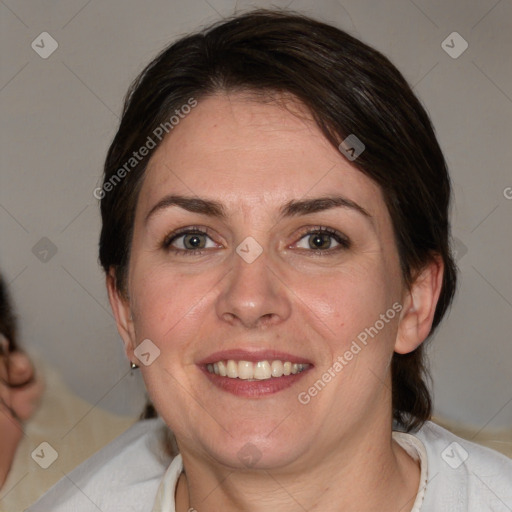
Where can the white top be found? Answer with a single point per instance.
(130, 474)
(165, 496)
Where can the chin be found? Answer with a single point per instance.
(255, 450)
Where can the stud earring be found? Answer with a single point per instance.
(133, 366)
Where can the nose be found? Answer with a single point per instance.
(253, 294)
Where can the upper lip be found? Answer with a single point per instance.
(253, 356)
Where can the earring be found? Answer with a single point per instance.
(133, 366)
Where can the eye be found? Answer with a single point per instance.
(193, 240)
(188, 241)
(319, 239)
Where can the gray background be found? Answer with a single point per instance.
(59, 115)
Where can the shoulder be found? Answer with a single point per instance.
(464, 476)
(126, 473)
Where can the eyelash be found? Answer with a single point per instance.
(342, 240)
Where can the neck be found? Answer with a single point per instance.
(371, 472)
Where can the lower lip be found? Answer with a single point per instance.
(254, 388)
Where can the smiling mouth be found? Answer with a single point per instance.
(254, 371)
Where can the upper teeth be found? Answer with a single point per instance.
(261, 370)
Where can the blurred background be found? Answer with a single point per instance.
(65, 68)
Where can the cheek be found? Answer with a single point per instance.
(347, 301)
(153, 303)
(168, 306)
(172, 309)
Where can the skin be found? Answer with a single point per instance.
(253, 157)
(23, 401)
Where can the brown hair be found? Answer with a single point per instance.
(349, 88)
(8, 324)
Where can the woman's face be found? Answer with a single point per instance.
(278, 280)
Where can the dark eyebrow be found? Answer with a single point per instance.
(191, 204)
(307, 206)
(293, 208)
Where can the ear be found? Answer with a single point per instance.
(121, 308)
(419, 306)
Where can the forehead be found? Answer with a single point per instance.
(252, 153)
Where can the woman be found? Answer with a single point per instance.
(276, 243)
